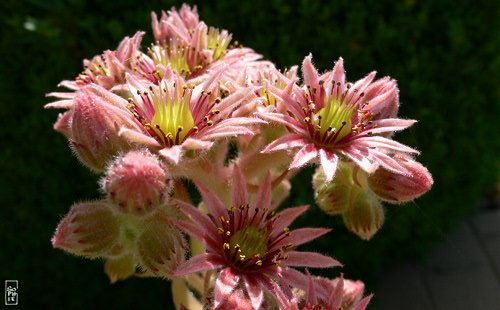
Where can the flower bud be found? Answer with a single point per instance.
(119, 268)
(399, 188)
(95, 124)
(89, 229)
(332, 197)
(136, 182)
(353, 292)
(63, 123)
(161, 247)
(365, 214)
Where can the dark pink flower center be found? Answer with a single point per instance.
(248, 239)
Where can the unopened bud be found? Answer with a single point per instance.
(89, 229)
(399, 188)
(332, 197)
(95, 125)
(365, 214)
(119, 268)
(353, 292)
(137, 182)
(161, 247)
(63, 123)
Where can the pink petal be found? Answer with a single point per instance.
(69, 84)
(309, 72)
(335, 298)
(363, 303)
(304, 156)
(294, 278)
(214, 204)
(283, 120)
(364, 82)
(196, 215)
(139, 138)
(289, 101)
(172, 154)
(62, 95)
(304, 235)
(264, 194)
(389, 163)
(198, 263)
(240, 121)
(286, 217)
(310, 259)
(311, 290)
(390, 124)
(329, 162)
(233, 101)
(339, 72)
(198, 233)
(383, 102)
(361, 158)
(224, 285)
(59, 104)
(239, 188)
(378, 141)
(195, 144)
(224, 132)
(254, 291)
(285, 142)
(274, 289)
(301, 236)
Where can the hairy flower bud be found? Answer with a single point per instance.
(136, 182)
(349, 195)
(332, 197)
(95, 124)
(89, 229)
(63, 123)
(161, 247)
(353, 292)
(365, 214)
(398, 188)
(120, 268)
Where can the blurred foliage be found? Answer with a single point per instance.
(444, 54)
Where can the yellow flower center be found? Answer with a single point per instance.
(334, 120)
(172, 119)
(174, 56)
(249, 242)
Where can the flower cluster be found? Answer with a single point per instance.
(197, 106)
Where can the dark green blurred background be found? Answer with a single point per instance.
(444, 54)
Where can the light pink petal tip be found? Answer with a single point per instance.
(309, 72)
(329, 162)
